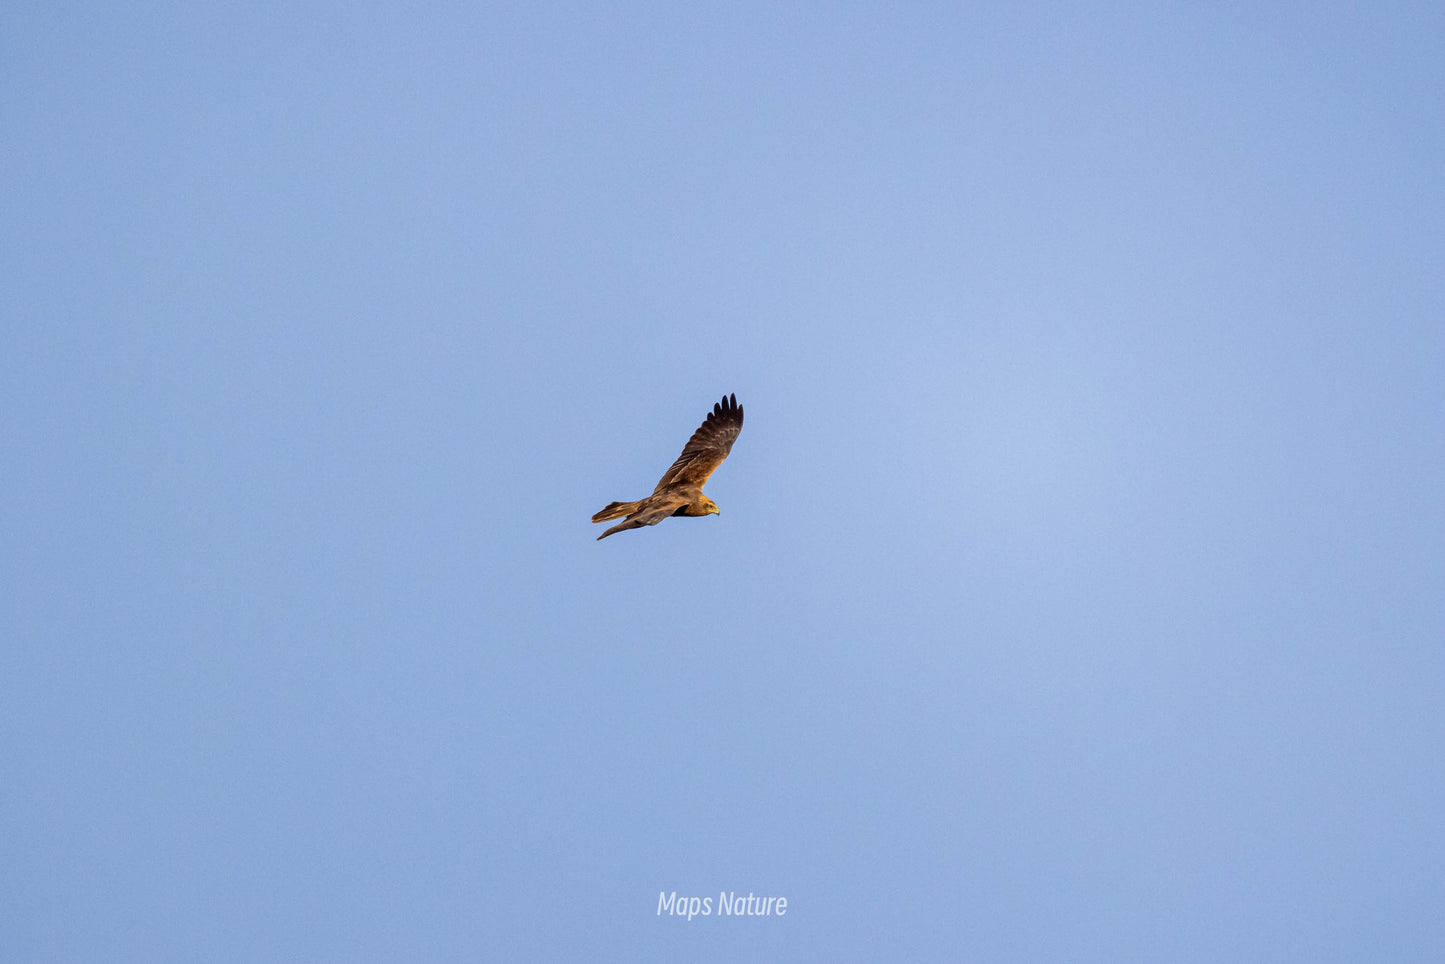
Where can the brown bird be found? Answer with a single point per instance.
(680, 491)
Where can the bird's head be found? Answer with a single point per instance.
(710, 506)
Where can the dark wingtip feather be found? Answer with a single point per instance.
(726, 409)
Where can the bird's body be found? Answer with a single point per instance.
(680, 490)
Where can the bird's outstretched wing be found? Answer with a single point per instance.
(707, 448)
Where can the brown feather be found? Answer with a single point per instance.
(649, 512)
(615, 510)
(707, 448)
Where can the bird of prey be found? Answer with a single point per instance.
(680, 491)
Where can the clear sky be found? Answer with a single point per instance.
(1079, 587)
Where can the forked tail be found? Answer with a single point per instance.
(615, 510)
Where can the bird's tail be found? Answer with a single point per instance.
(615, 510)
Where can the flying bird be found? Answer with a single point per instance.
(680, 491)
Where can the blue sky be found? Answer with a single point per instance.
(1076, 593)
